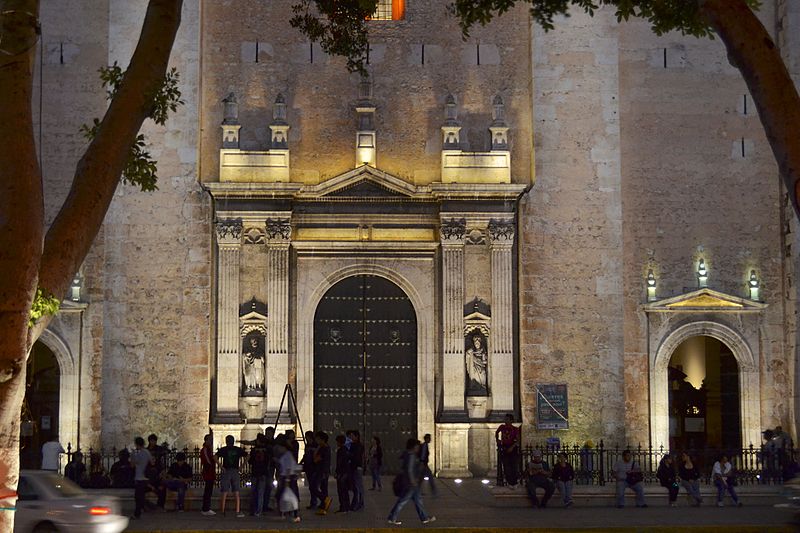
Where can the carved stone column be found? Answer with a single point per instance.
(279, 234)
(229, 234)
(453, 371)
(501, 349)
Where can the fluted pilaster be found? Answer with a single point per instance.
(229, 233)
(278, 242)
(501, 347)
(454, 371)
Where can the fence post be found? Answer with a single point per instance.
(601, 460)
(501, 481)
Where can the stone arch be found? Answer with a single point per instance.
(425, 336)
(749, 383)
(68, 408)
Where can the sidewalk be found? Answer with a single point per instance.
(474, 507)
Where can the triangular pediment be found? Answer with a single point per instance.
(705, 300)
(363, 183)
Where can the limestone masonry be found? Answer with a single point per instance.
(418, 251)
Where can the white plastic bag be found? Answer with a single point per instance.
(288, 501)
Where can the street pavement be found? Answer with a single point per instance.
(475, 507)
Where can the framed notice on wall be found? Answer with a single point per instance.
(552, 408)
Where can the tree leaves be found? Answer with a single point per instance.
(140, 168)
(44, 304)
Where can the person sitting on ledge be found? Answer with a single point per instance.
(539, 473)
(177, 478)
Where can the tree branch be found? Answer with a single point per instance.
(753, 52)
(98, 172)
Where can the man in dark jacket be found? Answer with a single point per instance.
(260, 459)
(356, 470)
(310, 468)
(322, 462)
(342, 474)
(539, 473)
(412, 476)
(563, 475)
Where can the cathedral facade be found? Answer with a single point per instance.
(583, 228)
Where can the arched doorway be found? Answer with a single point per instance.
(704, 395)
(365, 363)
(40, 409)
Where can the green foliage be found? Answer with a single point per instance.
(140, 168)
(43, 305)
(340, 26)
(663, 15)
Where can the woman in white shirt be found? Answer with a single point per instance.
(724, 479)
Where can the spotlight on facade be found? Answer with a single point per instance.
(754, 285)
(457, 481)
(75, 288)
(275, 483)
(485, 481)
(702, 274)
(651, 286)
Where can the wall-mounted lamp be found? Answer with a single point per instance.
(75, 288)
(754, 286)
(651, 286)
(702, 274)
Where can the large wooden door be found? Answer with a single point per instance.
(365, 364)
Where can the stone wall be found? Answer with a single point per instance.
(409, 94)
(571, 229)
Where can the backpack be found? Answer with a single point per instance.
(399, 485)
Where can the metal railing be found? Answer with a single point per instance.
(593, 466)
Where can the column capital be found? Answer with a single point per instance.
(453, 230)
(501, 231)
(229, 231)
(279, 230)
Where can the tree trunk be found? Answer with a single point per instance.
(753, 52)
(21, 221)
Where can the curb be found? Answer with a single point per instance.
(639, 529)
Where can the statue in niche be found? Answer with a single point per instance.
(477, 364)
(253, 367)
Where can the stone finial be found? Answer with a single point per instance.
(451, 129)
(499, 128)
(231, 113)
(230, 123)
(279, 126)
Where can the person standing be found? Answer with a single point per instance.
(51, 454)
(230, 479)
(322, 462)
(342, 474)
(208, 464)
(564, 476)
(411, 476)
(424, 457)
(259, 462)
(725, 480)
(539, 474)
(376, 463)
(508, 437)
(690, 479)
(668, 478)
(356, 470)
(628, 474)
(310, 468)
(141, 459)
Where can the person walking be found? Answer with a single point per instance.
(259, 463)
(288, 469)
(208, 466)
(51, 454)
(507, 437)
(411, 476)
(322, 461)
(342, 474)
(628, 474)
(424, 457)
(725, 480)
(668, 478)
(229, 482)
(690, 479)
(376, 463)
(564, 476)
(141, 459)
(539, 473)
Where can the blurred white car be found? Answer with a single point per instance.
(49, 502)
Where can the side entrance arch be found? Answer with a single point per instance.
(749, 383)
(365, 363)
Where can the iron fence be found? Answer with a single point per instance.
(593, 466)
